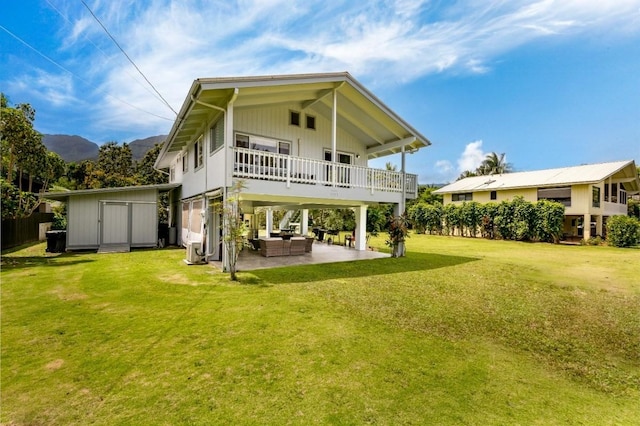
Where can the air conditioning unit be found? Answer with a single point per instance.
(193, 248)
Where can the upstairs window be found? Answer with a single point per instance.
(595, 196)
(294, 118)
(185, 162)
(262, 144)
(311, 122)
(198, 154)
(216, 136)
(560, 195)
(466, 196)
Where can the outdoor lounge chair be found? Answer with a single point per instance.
(309, 244)
(297, 246)
(272, 247)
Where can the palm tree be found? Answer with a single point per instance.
(494, 164)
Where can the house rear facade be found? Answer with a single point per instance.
(591, 193)
(298, 142)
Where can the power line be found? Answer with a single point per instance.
(80, 78)
(127, 56)
(144, 86)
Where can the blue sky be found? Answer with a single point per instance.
(549, 83)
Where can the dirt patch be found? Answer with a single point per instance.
(66, 294)
(54, 365)
(176, 279)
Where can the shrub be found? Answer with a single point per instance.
(549, 220)
(623, 231)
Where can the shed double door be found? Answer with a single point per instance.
(115, 223)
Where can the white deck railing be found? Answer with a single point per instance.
(254, 164)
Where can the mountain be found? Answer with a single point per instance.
(71, 148)
(76, 148)
(139, 147)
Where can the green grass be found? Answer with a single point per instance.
(461, 331)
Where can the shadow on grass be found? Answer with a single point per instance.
(359, 268)
(62, 259)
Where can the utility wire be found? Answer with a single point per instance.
(78, 77)
(141, 84)
(127, 56)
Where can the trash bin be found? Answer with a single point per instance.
(56, 241)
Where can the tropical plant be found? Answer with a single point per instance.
(114, 167)
(549, 221)
(623, 231)
(398, 233)
(494, 164)
(471, 217)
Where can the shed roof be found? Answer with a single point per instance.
(584, 174)
(62, 195)
(359, 111)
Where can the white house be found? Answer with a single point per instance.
(299, 142)
(590, 193)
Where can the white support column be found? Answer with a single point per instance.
(361, 227)
(403, 200)
(599, 225)
(304, 225)
(269, 221)
(334, 136)
(229, 141)
(586, 226)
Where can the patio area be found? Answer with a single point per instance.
(250, 260)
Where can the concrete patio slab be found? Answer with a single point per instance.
(322, 253)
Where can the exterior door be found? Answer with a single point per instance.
(343, 177)
(114, 223)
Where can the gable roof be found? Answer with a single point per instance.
(359, 111)
(584, 174)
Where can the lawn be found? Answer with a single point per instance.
(461, 331)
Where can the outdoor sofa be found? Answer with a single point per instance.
(276, 246)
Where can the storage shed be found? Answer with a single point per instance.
(112, 219)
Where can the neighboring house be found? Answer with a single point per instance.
(590, 193)
(299, 142)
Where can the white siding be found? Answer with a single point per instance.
(83, 214)
(144, 230)
(273, 122)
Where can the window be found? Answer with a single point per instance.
(294, 118)
(467, 196)
(494, 195)
(216, 140)
(198, 154)
(172, 174)
(595, 196)
(560, 195)
(185, 162)
(311, 122)
(262, 144)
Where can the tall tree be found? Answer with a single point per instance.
(146, 174)
(494, 164)
(23, 152)
(114, 167)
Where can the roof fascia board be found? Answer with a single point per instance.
(392, 145)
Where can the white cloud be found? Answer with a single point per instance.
(471, 157)
(382, 42)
